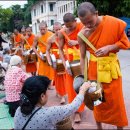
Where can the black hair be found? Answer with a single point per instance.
(31, 92)
(68, 17)
(86, 7)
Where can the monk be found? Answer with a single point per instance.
(17, 42)
(59, 77)
(107, 43)
(40, 42)
(71, 29)
(28, 38)
(23, 35)
(17, 38)
(23, 32)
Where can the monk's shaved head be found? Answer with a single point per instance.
(23, 29)
(43, 24)
(29, 28)
(56, 27)
(43, 27)
(57, 24)
(68, 17)
(86, 7)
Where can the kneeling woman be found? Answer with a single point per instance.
(34, 97)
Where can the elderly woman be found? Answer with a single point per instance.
(33, 114)
(13, 83)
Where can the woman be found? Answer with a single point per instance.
(34, 97)
(13, 83)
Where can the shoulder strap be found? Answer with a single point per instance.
(26, 41)
(30, 118)
(42, 42)
(86, 41)
(67, 38)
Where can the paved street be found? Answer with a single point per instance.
(88, 120)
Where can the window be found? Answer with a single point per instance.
(62, 9)
(52, 22)
(71, 5)
(66, 7)
(41, 8)
(36, 28)
(34, 12)
(51, 7)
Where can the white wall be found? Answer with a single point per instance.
(59, 9)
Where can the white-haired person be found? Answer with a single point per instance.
(13, 83)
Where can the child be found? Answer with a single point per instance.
(13, 83)
(34, 97)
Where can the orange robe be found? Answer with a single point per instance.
(59, 79)
(69, 79)
(30, 67)
(112, 111)
(43, 68)
(17, 38)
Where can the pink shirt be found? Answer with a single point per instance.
(13, 83)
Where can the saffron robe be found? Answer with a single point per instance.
(69, 79)
(43, 68)
(30, 67)
(112, 111)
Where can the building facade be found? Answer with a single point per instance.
(50, 11)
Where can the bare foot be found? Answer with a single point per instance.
(119, 128)
(99, 125)
(77, 118)
(62, 100)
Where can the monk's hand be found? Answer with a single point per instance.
(72, 42)
(103, 51)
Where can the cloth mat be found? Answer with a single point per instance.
(6, 121)
(2, 95)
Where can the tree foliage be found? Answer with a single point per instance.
(5, 15)
(117, 8)
(15, 16)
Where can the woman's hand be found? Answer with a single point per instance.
(85, 86)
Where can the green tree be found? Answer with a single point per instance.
(18, 16)
(116, 8)
(5, 15)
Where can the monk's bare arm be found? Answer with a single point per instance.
(49, 43)
(82, 54)
(35, 45)
(61, 46)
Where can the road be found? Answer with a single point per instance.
(88, 121)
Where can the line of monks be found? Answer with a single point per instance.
(65, 40)
(48, 43)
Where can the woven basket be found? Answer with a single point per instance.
(64, 124)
